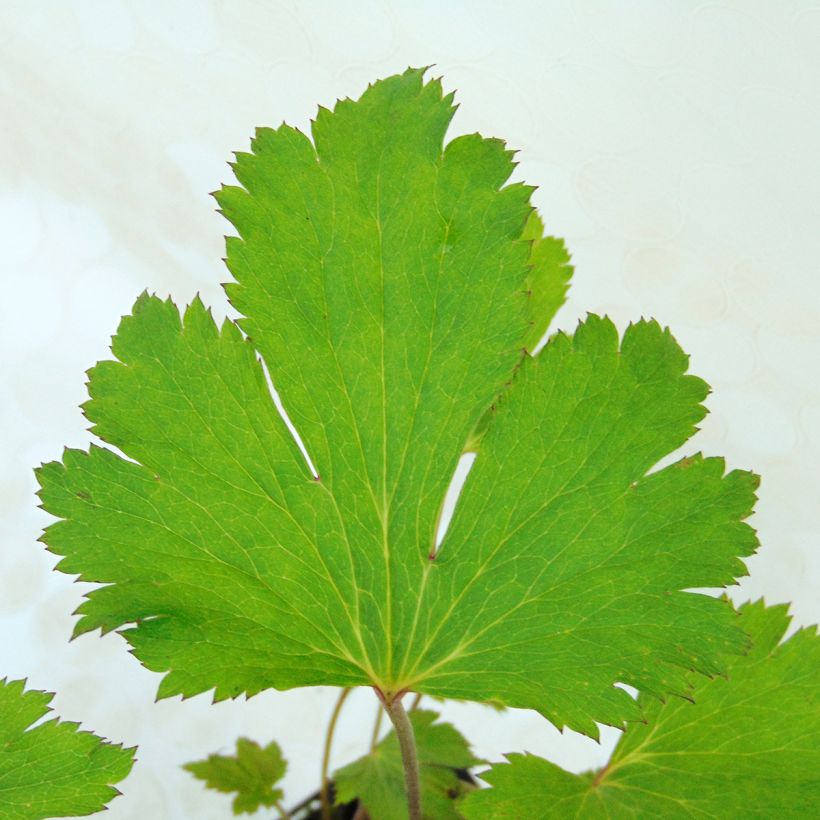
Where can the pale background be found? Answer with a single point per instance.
(675, 146)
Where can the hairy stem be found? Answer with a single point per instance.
(407, 744)
(324, 794)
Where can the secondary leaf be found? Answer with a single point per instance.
(749, 746)
(377, 779)
(384, 282)
(252, 773)
(52, 769)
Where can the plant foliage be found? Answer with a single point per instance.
(393, 286)
(252, 773)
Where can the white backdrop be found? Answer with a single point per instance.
(675, 146)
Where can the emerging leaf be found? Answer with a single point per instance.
(53, 769)
(377, 779)
(548, 280)
(252, 773)
(383, 280)
(748, 747)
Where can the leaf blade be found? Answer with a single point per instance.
(382, 277)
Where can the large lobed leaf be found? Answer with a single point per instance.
(377, 779)
(52, 769)
(384, 281)
(747, 747)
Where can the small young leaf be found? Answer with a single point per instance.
(749, 746)
(548, 279)
(377, 779)
(383, 278)
(252, 773)
(52, 769)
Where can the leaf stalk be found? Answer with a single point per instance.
(377, 727)
(409, 756)
(324, 793)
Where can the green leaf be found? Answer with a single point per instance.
(377, 779)
(52, 769)
(747, 747)
(252, 773)
(383, 280)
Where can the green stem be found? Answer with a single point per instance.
(324, 794)
(415, 704)
(409, 757)
(283, 812)
(376, 729)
